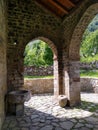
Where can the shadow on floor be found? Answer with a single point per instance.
(53, 117)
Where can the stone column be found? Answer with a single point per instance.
(61, 88)
(58, 75)
(66, 78)
(73, 91)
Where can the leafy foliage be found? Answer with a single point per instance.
(38, 53)
(89, 45)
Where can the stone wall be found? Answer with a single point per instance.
(3, 74)
(46, 85)
(44, 71)
(28, 21)
(39, 85)
(38, 71)
(89, 85)
(90, 65)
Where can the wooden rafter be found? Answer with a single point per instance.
(58, 7)
(66, 3)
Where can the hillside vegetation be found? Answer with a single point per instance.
(38, 53)
(89, 44)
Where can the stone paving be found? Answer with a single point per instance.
(41, 113)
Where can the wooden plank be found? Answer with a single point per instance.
(57, 8)
(53, 7)
(66, 3)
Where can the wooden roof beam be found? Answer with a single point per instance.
(66, 3)
(57, 8)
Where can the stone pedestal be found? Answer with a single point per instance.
(15, 109)
(15, 102)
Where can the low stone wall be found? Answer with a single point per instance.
(39, 85)
(89, 85)
(46, 85)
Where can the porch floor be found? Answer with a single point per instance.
(41, 113)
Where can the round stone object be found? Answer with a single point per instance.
(19, 96)
(62, 100)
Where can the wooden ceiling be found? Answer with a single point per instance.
(60, 8)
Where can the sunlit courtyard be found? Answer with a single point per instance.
(42, 113)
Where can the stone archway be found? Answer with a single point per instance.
(55, 62)
(74, 49)
(74, 52)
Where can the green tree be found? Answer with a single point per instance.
(89, 45)
(38, 53)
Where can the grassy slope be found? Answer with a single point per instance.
(89, 73)
(83, 73)
(34, 77)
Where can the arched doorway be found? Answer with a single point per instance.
(89, 57)
(74, 50)
(55, 62)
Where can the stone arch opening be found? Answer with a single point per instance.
(74, 48)
(74, 51)
(89, 58)
(55, 60)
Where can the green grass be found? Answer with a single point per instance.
(89, 73)
(34, 77)
(83, 73)
(88, 106)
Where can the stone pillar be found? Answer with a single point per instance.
(66, 78)
(73, 91)
(58, 75)
(61, 90)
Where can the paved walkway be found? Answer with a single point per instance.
(42, 114)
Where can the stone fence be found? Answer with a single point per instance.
(90, 65)
(44, 71)
(38, 71)
(46, 85)
(89, 84)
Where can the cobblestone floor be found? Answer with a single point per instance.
(41, 113)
